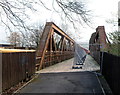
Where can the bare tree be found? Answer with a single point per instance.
(13, 14)
(14, 11)
(65, 28)
(74, 11)
(34, 36)
(15, 39)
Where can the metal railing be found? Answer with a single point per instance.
(55, 46)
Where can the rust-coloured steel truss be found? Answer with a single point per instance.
(55, 46)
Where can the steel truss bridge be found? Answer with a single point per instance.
(55, 46)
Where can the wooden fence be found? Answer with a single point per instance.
(110, 67)
(17, 65)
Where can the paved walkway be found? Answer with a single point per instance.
(61, 78)
(66, 66)
(65, 82)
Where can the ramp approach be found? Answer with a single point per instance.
(55, 46)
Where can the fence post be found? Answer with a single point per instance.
(0, 72)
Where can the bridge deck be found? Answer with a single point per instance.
(66, 66)
(60, 78)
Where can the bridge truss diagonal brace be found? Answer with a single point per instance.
(45, 50)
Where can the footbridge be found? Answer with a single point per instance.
(55, 46)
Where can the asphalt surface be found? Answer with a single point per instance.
(61, 78)
(65, 82)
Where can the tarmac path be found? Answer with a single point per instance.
(61, 78)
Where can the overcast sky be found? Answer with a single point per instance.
(102, 10)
